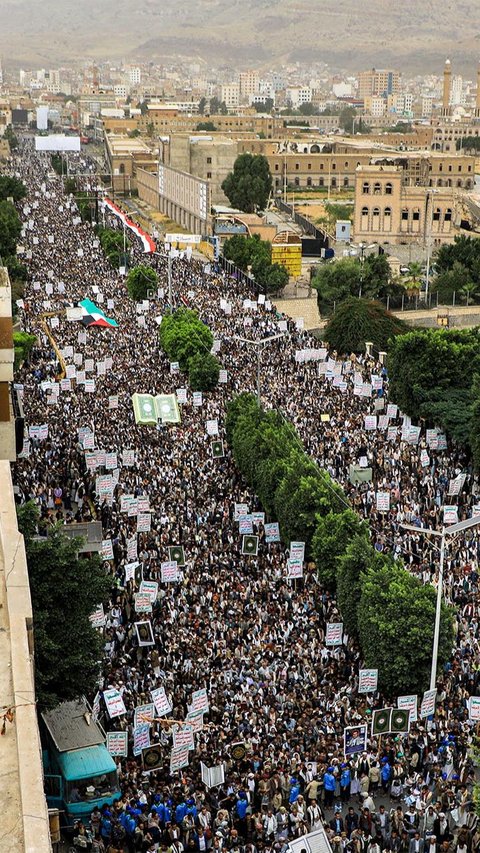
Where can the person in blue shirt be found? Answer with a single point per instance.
(329, 785)
(345, 782)
(294, 791)
(386, 774)
(180, 811)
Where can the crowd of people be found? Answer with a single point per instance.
(234, 624)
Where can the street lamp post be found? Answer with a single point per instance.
(430, 193)
(445, 532)
(259, 344)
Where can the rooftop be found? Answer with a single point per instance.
(68, 727)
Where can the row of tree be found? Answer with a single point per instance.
(388, 611)
(457, 268)
(435, 374)
(62, 581)
(188, 341)
(255, 255)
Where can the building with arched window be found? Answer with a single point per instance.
(389, 211)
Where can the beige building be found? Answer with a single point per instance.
(388, 210)
(249, 84)
(7, 420)
(204, 156)
(124, 156)
(230, 95)
(313, 163)
(164, 120)
(378, 81)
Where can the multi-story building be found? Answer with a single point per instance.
(230, 95)
(298, 95)
(389, 211)
(375, 105)
(381, 82)
(249, 85)
(207, 157)
(134, 75)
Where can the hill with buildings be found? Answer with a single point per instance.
(414, 36)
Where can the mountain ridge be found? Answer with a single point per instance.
(415, 37)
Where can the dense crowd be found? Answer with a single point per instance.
(234, 624)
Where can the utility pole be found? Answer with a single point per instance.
(259, 345)
(451, 530)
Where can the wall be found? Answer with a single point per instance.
(24, 808)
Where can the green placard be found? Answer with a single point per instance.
(250, 545)
(176, 554)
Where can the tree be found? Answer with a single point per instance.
(183, 335)
(304, 493)
(218, 107)
(265, 106)
(332, 534)
(449, 282)
(249, 186)
(201, 105)
(335, 282)
(23, 344)
(396, 616)
(63, 583)
(10, 229)
(359, 320)
(11, 187)
(203, 372)
(357, 557)
(468, 143)
(469, 291)
(475, 422)
(206, 125)
(346, 118)
(239, 405)
(11, 138)
(271, 278)
(308, 109)
(431, 361)
(464, 250)
(141, 282)
(247, 251)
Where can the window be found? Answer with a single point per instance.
(388, 189)
(405, 214)
(346, 164)
(376, 211)
(309, 182)
(333, 182)
(209, 159)
(416, 215)
(450, 167)
(209, 175)
(364, 211)
(297, 182)
(459, 182)
(321, 182)
(448, 215)
(387, 211)
(439, 183)
(276, 167)
(309, 166)
(297, 166)
(377, 189)
(321, 166)
(436, 214)
(440, 168)
(366, 188)
(345, 182)
(334, 165)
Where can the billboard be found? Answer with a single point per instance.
(42, 118)
(57, 142)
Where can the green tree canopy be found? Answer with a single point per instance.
(11, 187)
(183, 335)
(464, 251)
(271, 278)
(358, 557)
(396, 617)
(426, 360)
(206, 125)
(23, 344)
(359, 320)
(141, 282)
(332, 534)
(203, 371)
(249, 186)
(10, 229)
(247, 251)
(63, 582)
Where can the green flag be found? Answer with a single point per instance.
(250, 545)
(381, 721)
(177, 554)
(217, 449)
(400, 721)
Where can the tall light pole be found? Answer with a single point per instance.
(444, 533)
(259, 345)
(430, 193)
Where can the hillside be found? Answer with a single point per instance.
(414, 36)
